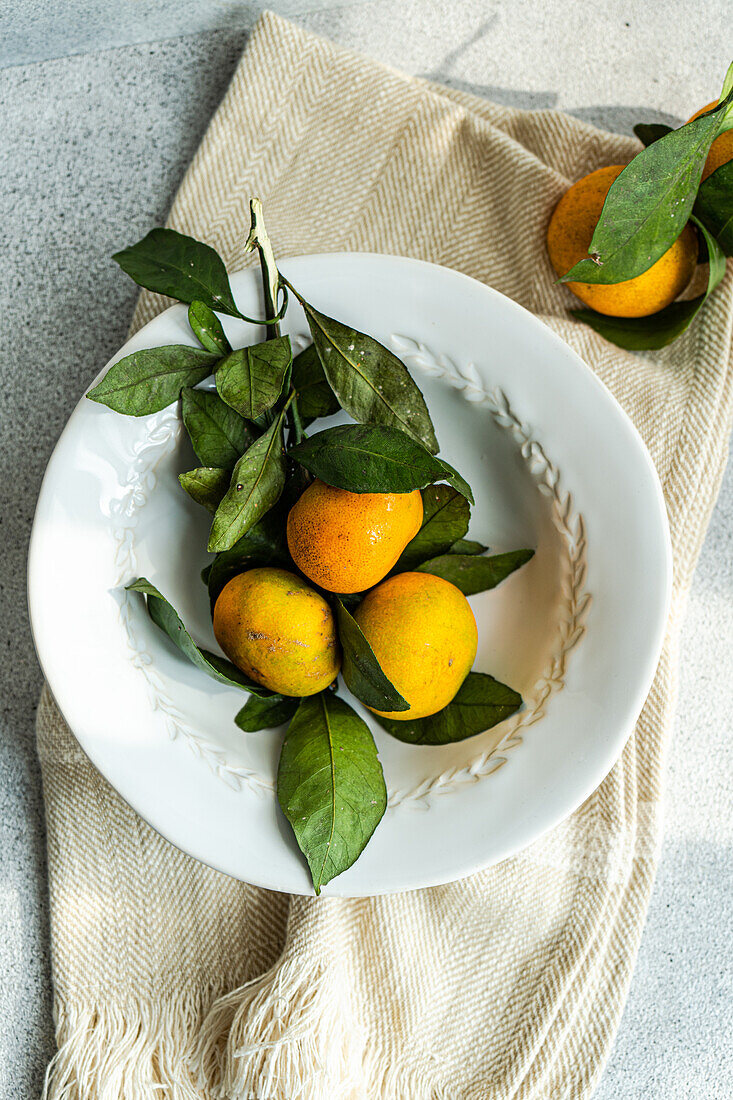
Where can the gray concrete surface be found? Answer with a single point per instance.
(101, 107)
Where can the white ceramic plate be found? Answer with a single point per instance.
(554, 464)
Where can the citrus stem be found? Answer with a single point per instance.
(272, 282)
(259, 239)
(297, 424)
(289, 285)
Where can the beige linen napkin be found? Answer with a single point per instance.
(509, 984)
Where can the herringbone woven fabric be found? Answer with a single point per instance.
(507, 985)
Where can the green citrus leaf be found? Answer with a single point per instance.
(351, 600)
(649, 203)
(366, 458)
(480, 703)
(150, 380)
(361, 670)
(315, 397)
(219, 435)
(206, 485)
(180, 267)
(445, 519)
(472, 573)
(251, 379)
(649, 132)
(727, 83)
(714, 206)
(468, 546)
(660, 329)
(167, 619)
(263, 544)
(258, 479)
(330, 785)
(208, 328)
(451, 474)
(297, 480)
(266, 713)
(642, 333)
(370, 382)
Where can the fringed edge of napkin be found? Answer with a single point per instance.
(140, 1049)
(288, 1033)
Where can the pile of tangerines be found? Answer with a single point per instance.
(281, 631)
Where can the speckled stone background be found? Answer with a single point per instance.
(101, 107)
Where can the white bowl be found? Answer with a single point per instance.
(554, 463)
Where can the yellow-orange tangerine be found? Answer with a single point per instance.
(568, 239)
(279, 631)
(347, 542)
(424, 635)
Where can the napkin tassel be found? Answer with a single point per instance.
(290, 1033)
(125, 1051)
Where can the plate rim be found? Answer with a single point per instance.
(616, 745)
